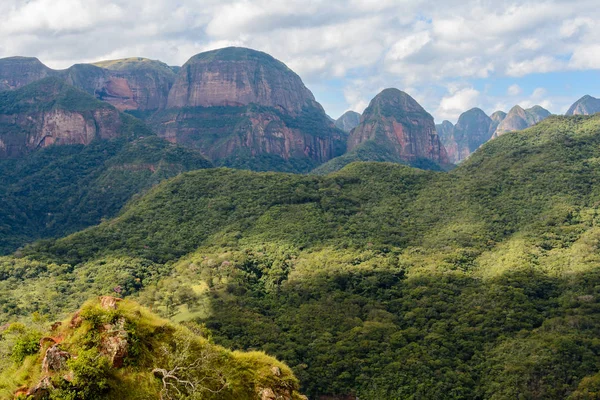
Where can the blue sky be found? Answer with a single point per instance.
(451, 56)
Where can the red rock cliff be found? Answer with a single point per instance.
(396, 120)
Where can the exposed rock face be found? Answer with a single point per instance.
(128, 84)
(41, 390)
(445, 131)
(587, 105)
(51, 112)
(114, 343)
(470, 132)
(109, 302)
(497, 117)
(518, 119)
(250, 132)
(237, 77)
(16, 72)
(55, 359)
(395, 120)
(237, 104)
(348, 121)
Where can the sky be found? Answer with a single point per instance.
(450, 56)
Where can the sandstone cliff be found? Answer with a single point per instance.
(587, 105)
(497, 117)
(518, 119)
(395, 120)
(471, 131)
(128, 84)
(16, 72)
(348, 121)
(243, 108)
(237, 77)
(52, 112)
(445, 131)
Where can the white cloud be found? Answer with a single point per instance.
(514, 90)
(572, 27)
(586, 57)
(539, 64)
(389, 43)
(408, 46)
(457, 102)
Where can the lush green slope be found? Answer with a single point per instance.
(117, 350)
(379, 280)
(62, 189)
(371, 151)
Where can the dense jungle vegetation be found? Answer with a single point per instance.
(379, 280)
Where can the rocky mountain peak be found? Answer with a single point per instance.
(498, 116)
(348, 121)
(397, 121)
(393, 101)
(471, 131)
(519, 118)
(16, 72)
(587, 105)
(236, 76)
(49, 112)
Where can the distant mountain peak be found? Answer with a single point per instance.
(587, 105)
(16, 72)
(519, 118)
(236, 76)
(398, 123)
(348, 121)
(471, 131)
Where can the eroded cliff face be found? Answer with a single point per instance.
(16, 72)
(236, 77)
(587, 105)
(518, 119)
(225, 132)
(128, 84)
(470, 132)
(445, 131)
(348, 121)
(51, 112)
(239, 104)
(56, 127)
(395, 119)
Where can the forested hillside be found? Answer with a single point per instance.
(62, 189)
(380, 280)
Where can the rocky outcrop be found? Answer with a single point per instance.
(16, 72)
(51, 112)
(518, 119)
(395, 120)
(470, 132)
(348, 121)
(238, 77)
(41, 390)
(445, 131)
(237, 105)
(128, 84)
(587, 105)
(497, 117)
(251, 133)
(165, 361)
(55, 359)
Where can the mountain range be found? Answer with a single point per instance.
(240, 108)
(363, 281)
(156, 244)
